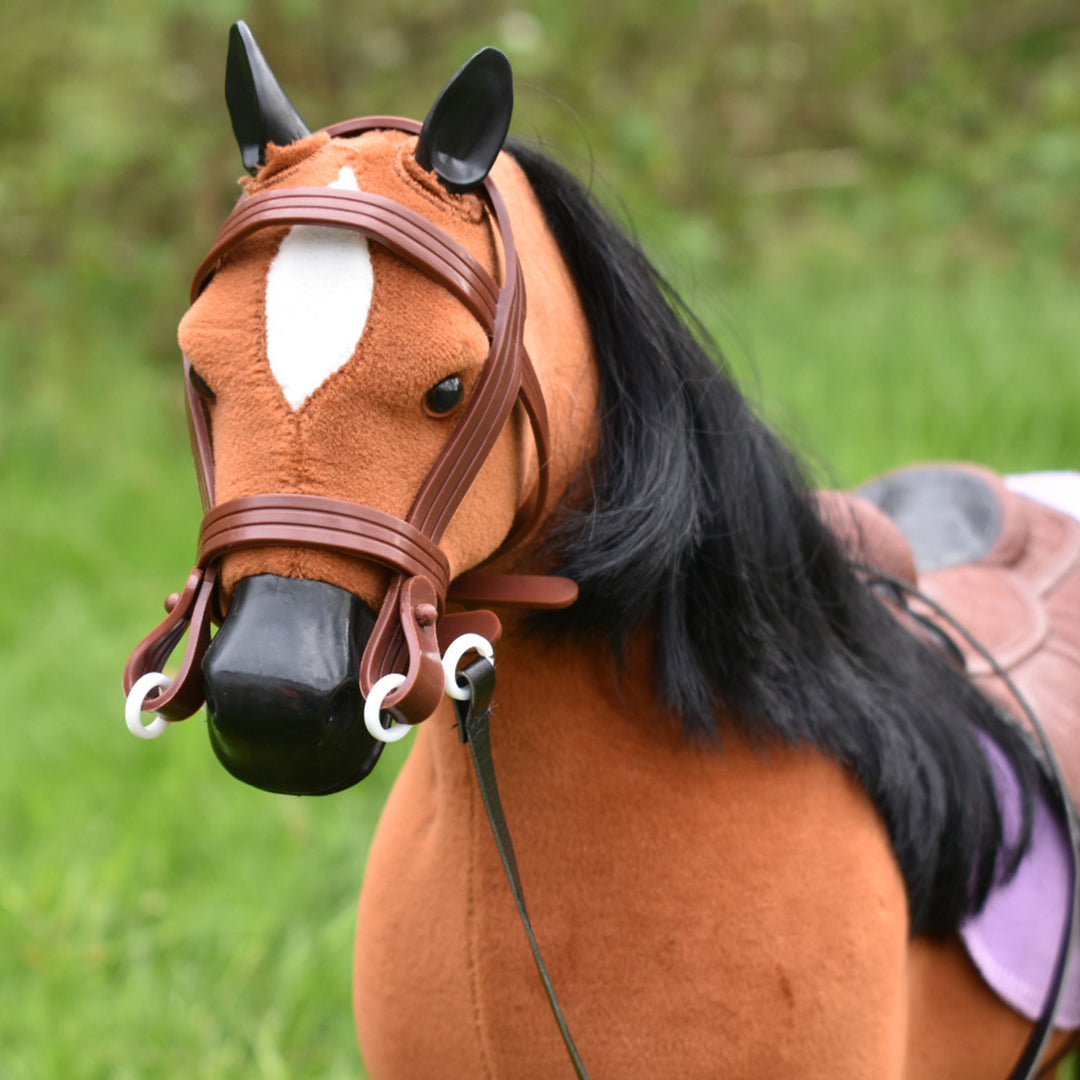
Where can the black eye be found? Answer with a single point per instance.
(444, 397)
(202, 387)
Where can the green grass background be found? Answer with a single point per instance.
(158, 918)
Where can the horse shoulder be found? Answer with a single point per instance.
(733, 910)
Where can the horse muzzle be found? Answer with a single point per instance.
(282, 685)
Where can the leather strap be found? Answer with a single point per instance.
(202, 448)
(474, 716)
(519, 590)
(396, 227)
(315, 521)
(191, 614)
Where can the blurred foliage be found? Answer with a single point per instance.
(938, 129)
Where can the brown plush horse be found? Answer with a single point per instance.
(757, 807)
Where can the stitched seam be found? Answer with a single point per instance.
(263, 181)
(294, 430)
(467, 208)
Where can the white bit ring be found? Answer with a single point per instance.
(144, 686)
(452, 657)
(373, 710)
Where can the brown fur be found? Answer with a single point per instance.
(732, 914)
(725, 914)
(335, 443)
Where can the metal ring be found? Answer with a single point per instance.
(452, 657)
(373, 710)
(152, 680)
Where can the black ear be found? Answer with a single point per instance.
(260, 110)
(466, 128)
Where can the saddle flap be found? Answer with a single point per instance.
(996, 605)
(867, 536)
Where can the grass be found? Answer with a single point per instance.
(158, 918)
(866, 367)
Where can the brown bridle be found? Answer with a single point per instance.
(412, 619)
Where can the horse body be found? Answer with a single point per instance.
(738, 913)
(742, 903)
(732, 914)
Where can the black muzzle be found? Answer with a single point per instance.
(283, 687)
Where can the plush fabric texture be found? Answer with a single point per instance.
(758, 890)
(734, 912)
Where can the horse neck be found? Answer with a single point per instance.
(558, 705)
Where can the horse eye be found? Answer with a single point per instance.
(202, 387)
(445, 396)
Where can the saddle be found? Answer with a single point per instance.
(1004, 566)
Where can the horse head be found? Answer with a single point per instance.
(368, 423)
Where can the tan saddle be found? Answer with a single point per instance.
(1006, 567)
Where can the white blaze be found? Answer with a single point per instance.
(318, 295)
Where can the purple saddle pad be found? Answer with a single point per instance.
(1014, 940)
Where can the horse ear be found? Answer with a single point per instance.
(260, 110)
(467, 125)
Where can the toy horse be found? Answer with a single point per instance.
(775, 814)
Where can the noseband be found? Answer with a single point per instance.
(412, 618)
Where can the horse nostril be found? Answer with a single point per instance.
(344, 711)
(282, 686)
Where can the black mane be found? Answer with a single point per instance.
(694, 517)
